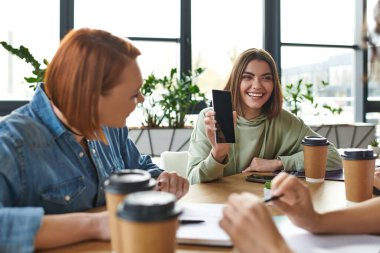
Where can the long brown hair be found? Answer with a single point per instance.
(87, 64)
(274, 105)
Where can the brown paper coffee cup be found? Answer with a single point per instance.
(142, 237)
(315, 150)
(359, 168)
(148, 222)
(112, 201)
(117, 187)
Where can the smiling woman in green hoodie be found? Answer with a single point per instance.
(268, 138)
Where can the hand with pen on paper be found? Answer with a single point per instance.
(249, 223)
(173, 183)
(250, 226)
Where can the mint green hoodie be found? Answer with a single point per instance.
(278, 138)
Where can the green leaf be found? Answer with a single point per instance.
(295, 96)
(176, 96)
(30, 79)
(23, 53)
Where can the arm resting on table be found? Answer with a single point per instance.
(64, 229)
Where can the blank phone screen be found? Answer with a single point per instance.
(222, 104)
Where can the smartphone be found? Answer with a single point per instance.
(259, 178)
(222, 103)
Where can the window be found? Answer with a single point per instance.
(317, 40)
(318, 44)
(318, 21)
(315, 65)
(143, 19)
(35, 25)
(220, 32)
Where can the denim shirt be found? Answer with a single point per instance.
(43, 170)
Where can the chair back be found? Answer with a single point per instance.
(175, 161)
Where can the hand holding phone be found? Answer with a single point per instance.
(222, 103)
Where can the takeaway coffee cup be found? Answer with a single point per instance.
(148, 222)
(359, 168)
(118, 186)
(315, 158)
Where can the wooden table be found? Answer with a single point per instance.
(326, 196)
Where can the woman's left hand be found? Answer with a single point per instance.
(173, 183)
(264, 165)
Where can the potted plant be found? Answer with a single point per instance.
(374, 145)
(168, 101)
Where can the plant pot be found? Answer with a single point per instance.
(267, 193)
(358, 135)
(154, 141)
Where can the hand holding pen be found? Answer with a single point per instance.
(295, 201)
(272, 198)
(246, 213)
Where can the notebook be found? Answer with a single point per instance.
(299, 240)
(206, 233)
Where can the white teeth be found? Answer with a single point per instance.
(251, 94)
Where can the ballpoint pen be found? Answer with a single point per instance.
(275, 197)
(184, 221)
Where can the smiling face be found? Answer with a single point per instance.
(120, 101)
(256, 88)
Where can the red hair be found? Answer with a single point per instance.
(87, 64)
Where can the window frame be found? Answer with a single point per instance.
(273, 44)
